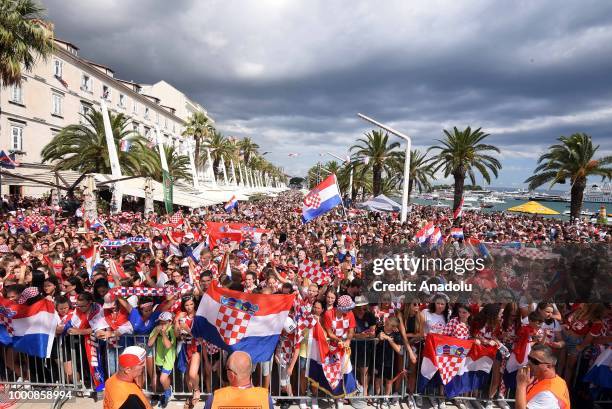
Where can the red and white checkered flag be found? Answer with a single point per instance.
(176, 217)
(313, 272)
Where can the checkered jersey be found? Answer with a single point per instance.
(313, 272)
(457, 329)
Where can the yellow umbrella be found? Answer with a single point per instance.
(532, 208)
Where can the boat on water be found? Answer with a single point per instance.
(582, 213)
(486, 205)
(493, 200)
(545, 197)
(467, 207)
(598, 194)
(470, 199)
(440, 204)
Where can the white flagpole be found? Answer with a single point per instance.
(222, 164)
(194, 172)
(113, 158)
(162, 151)
(233, 180)
(209, 168)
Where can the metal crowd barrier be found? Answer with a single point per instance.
(381, 376)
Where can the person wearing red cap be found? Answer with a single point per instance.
(122, 390)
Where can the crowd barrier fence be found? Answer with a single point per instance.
(372, 365)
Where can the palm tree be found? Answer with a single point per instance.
(571, 159)
(421, 171)
(199, 128)
(460, 154)
(381, 156)
(332, 167)
(82, 147)
(219, 147)
(248, 149)
(24, 36)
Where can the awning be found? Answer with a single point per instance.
(380, 203)
(532, 208)
(135, 187)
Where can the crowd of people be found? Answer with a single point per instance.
(143, 283)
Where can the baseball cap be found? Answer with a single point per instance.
(132, 356)
(165, 316)
(345, 303)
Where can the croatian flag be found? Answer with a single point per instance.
(232, 204)
(237, 321)
(460, 365)
(92, 257)
(94, 224)
(249, 232)
(482, 249)
(329, 369)
(28, 328)
(600, 373)
(321, 199)
(436, 238)
(457, 232)
(6, 161)
(458, 212)
(423, 234)
(518, 357)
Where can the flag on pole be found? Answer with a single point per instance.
(237, 321)
(168, 190)
(458, 212)
(6, 161)
(231, 204)
(320, 200)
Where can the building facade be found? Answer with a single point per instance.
(58, 91)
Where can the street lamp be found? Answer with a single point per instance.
(347, 161)
(404, 213)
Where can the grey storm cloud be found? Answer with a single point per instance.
(294, 74)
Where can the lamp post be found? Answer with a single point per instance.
(346, 161)
(404, 213)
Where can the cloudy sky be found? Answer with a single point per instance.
(294, 74)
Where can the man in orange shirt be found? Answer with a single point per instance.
(122, 390)
(241, 393)
(545, 389)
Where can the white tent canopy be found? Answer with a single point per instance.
(380, 203)
(135, 187)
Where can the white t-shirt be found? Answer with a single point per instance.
(543, 400)
(162, 278)
(434, 323)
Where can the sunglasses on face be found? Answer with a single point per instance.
(536, 361)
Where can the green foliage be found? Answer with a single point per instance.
(573, 160)
(82, 147)
(24, 37)
(461, 154)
